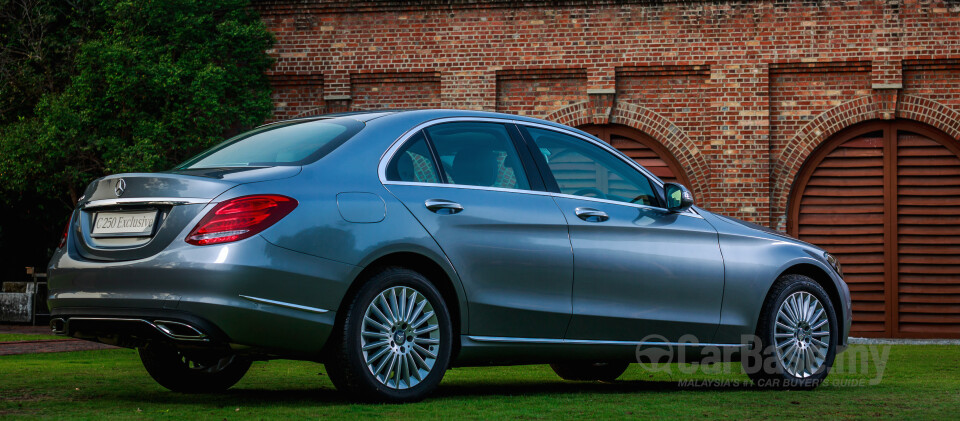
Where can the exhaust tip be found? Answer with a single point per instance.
(58, 326)
(178, 330)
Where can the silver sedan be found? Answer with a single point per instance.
(391, 245)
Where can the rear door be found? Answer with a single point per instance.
(466, 183)
(639, 270)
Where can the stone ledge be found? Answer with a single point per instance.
(883, 341)
(887, 86)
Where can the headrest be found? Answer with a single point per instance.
(475, 166)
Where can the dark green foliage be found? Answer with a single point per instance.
(140, 86)
(38, 42)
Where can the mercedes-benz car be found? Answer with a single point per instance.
(392, 245)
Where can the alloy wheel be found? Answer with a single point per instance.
(400, 337)
(802, 334)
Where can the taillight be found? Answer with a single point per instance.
(239, 218)
(63, 239)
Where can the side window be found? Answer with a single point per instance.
(413, 162)
(583, 169)
(478, 154)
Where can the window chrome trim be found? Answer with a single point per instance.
(546, 341)
(691, 213)
(387, 156)
(392, 150)
(284, 304)
(146, 201)
(467, 186)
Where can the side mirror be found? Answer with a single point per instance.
(679, 198)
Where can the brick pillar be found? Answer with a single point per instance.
(601, 104)
(887, 80)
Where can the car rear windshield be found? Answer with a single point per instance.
(293, 143)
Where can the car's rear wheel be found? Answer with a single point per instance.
(192, 373)
(396, 339)
(605, 372)
(797, 336)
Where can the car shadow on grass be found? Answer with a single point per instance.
(553, 388)
(329, 396)
(238, 397)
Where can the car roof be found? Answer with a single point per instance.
(419, 116)
(363, 116)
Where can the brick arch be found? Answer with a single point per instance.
(573, 115)
(673, 138)
(832, 121)
(931, 113)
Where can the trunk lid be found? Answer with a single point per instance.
(136, 215)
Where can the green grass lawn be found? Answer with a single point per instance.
(18, 337)
(917, 382)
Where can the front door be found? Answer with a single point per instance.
(639, 270)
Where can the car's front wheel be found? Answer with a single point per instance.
(396, 339)
(192, 373)
(796, 336)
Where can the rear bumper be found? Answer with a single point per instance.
(132, 327)
(247, 295)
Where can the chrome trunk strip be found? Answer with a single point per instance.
(146, 201)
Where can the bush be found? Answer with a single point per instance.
(154, 83)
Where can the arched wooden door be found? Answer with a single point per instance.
(884, 197)
(643, 149)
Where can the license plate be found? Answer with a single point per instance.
(124, 224)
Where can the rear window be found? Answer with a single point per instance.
(413, 163)
(295, 143)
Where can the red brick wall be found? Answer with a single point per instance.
(539, 92)
(369, 91)
(295, 94)
(938, 80)
(739, 91)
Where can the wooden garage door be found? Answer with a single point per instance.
(643, 149)
(884, 197)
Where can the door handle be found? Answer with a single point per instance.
(591, 215)
(443, 207)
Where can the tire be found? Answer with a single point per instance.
(372, 374)
(179, 372)
(604, 372)
(785, 351)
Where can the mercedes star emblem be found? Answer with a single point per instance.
(121, 186)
